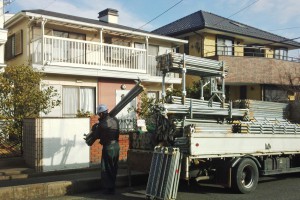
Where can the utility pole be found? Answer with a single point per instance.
(7, 2)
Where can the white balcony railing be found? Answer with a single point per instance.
(79, 53)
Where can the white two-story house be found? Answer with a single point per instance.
(88, 61)
(3, 36)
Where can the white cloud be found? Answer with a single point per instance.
(282, 12)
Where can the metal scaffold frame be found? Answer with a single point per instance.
(211, 71)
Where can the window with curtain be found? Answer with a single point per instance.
(281, 54)
(77, 98)
(224, 46)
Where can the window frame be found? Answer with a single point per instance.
(78, 98)
(281, 56)
(225, 53)
(14, 45)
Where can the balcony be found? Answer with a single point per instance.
(79, 57)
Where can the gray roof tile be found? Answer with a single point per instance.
(201, 19)
(82, 19)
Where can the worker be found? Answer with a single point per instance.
(108, 132)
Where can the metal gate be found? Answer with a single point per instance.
(10, 145)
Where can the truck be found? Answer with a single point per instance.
(231, 142)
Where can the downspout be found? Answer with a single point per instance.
(101, 48)
(147, 54)
(183, 71)
(43, 22)
(163, 93)
(29, 40)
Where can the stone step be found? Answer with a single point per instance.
(15, 173)
(12, 162)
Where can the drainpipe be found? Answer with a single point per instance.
(28, 38)
(43, 22)
(163, 93)
(223, 84)
(147, 51)
(101, 48)
(183, 80)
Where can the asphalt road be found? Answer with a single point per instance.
(283, 187)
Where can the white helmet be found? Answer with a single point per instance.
(101, 108)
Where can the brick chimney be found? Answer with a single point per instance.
(109, 15)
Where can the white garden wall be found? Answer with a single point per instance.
(52, 144)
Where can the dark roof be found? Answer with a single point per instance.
(201, 19)
(85, 20)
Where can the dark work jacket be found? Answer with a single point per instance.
(108, 130)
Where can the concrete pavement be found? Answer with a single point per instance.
(19, 182)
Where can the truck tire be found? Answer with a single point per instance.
(245, 176)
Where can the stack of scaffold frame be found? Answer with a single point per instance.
(185, 64)
(265, 118)
(249, 116)
(174, 62)
(164, 173)
(263, 109)
(267, 127)
(204, 114)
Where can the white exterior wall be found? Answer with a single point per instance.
(59, 81)
(3, 36)
(52, 144)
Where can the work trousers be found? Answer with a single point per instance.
(109, 165)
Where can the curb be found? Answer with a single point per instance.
(62, 188)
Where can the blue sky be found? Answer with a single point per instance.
(268, 15)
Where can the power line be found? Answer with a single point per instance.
(242, 9)
(161, 14)
(136, 29)
(49, 4)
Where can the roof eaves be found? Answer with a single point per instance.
(98, 24)
(295, 44)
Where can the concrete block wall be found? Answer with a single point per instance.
(32, 143)
(256, 70)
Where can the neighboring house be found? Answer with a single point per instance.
(88, 61)
(3, 36)
(258, 62)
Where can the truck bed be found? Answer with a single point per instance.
(229, 144)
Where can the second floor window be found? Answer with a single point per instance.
(281, 54)
(254, 51)
(224, 46)
(14, 45)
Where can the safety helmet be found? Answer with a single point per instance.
(101, 108)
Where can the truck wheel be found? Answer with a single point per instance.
(245, 176)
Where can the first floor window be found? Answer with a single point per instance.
(275, 94)
(78, 99)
